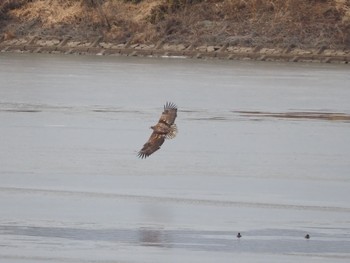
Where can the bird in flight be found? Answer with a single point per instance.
(164, 129)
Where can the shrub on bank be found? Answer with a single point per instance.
(299, 23)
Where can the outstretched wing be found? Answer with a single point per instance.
(153, 144)
(169, 114)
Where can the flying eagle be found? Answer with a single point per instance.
(164, 129)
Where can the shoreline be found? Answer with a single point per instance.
(163, 49)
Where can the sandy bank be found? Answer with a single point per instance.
(163, 49)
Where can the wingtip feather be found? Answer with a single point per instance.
(142, 155)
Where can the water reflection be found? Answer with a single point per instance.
(151, 237)
(154, 234)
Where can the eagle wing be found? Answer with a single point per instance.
(169, 114)
(153, 144)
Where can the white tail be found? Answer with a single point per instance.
(172, 133)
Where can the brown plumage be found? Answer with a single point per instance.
(164, 129)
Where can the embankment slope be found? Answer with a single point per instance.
(261, 29)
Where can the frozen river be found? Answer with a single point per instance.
(263, 149)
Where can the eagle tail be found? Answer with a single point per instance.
(173, 132)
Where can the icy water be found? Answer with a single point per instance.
(263, 149)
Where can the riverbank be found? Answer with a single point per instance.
(276, 30)
(161, 49)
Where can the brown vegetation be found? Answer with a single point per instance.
(268, 23)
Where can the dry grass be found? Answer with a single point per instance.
(267, 22)
(300, 23)
(286, 22)
(50, 13)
